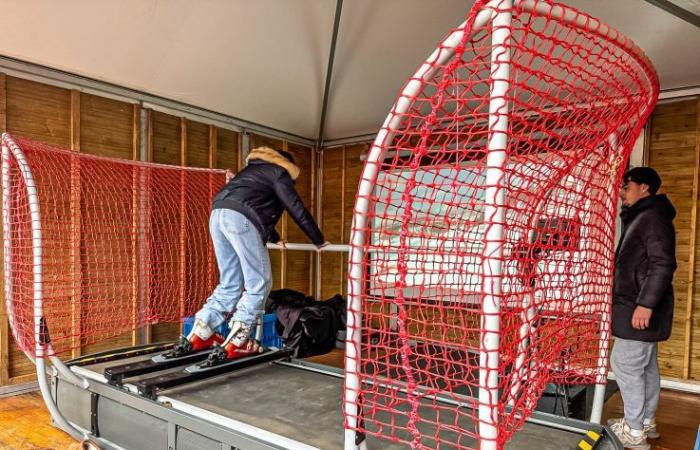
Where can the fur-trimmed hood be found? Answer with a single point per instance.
(272, 156)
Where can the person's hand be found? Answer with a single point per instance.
(319, 247)
(229, 175)
(282, 243)
(641, 317)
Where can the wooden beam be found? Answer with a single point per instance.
(183, 212)
(646, 153)
(135, 229)
(75, 227)
(75, 120)
(319, 198)
(213, 138)
(4, 324)
(283, 256)
(343, 180)
(691, 252)
(146, 288)
(213, 144)
(312, 255)
(21, 379)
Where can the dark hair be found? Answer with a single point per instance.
(643, 175)
(288, 156)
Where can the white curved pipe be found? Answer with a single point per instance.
(41, 350)
(367, 182)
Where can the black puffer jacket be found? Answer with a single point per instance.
(645, 260)
(263, 190)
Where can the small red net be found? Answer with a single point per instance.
(445, 241)
(123, 244)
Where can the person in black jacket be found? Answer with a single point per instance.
(243, 219)
(642, 311)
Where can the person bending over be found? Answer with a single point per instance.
(243, 219)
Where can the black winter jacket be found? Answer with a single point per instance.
(263, 190)
(645, 260)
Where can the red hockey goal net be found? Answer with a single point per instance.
(483, 238)
(103, 245)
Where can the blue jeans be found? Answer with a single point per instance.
(245, 275)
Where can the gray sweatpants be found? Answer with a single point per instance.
(637, 373)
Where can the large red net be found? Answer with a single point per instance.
(484, 229)
(123, 244)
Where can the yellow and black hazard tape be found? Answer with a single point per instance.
(590, 441)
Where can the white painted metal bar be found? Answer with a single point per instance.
(41, 351)
(310, 247)
(494, 216)
(604, 343)
(368, 180)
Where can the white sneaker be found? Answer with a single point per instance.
(649, 429)
(624, 434)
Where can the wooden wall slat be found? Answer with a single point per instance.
(166, 138)
(227, 149)
(672, 152)
(331, 223)
(353, 171)
(76, 229)
(107, 127)
(38, 111)
(692, 247)
(299, 268)
(197, 147)
(166, 149)
(135, 222)
(41, 112)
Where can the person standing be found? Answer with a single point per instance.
(642, 310)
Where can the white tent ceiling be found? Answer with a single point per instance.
(265, 60)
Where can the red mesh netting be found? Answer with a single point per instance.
(123, 244)
(482, 255)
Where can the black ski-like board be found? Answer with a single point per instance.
(150, 386)
(116, 374)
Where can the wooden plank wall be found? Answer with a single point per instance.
(673, 149)
(102, 126)
(340, 175)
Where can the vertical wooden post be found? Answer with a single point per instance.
(4, 325)
(213, 144)
(285, 220)
(647, 141)
(691, 250)
(135, 229)
(146, 204)
(312, 255)
(318, 288)
(75, 227)
(183, 214)
(343, 180)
